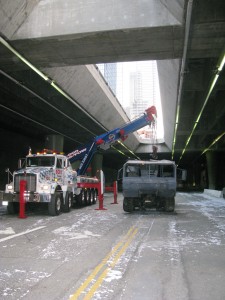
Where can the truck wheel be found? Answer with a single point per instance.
(170, 204)
(89, 195)
(95, 196)
(54, 207)
(68, 202)
(128, 205)
(160, 204)
(13, 208)
(82, 198)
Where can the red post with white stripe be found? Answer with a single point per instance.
(101, 192)
(23, 185)
(115, 192)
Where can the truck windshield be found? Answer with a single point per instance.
(150, 170)
(40, 161)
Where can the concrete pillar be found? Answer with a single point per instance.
(96, 164)
(54, 142)
(211, 169)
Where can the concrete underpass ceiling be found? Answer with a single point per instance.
(49, 37)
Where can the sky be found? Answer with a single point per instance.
(150, 87)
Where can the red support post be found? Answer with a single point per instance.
(97, 186)
(115, 192)
(100, 197)
(23, 185)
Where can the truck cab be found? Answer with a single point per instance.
(49, 178)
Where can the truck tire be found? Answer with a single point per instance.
(68, 202)
(92, 192)
(128, 205)
(160, 204)
(89, 197)
(95, 196)
(170, 204)
(82, 197)
(54, 207)
(13, 208)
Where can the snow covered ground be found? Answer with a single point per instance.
(110, 254)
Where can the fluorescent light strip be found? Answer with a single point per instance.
(7, 45)
(42, 125)
(45, 101)
(119, 151)
(55, 86)
(220, 68)
(213, 143)
(49, 80)
(128, 149)
(221, 65)
(175, 129)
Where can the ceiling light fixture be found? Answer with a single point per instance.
(212, 85)
(128, 149)
(56, 87)
(213, 143)
(49, 80)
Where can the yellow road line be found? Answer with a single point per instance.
(124, 243)
(90, 293)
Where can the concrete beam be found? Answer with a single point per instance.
(56, 17)
(86, 85)
(168, 71)
(13, 14)
(59, 33)
(147, 148)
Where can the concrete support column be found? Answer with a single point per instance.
(96, 164)
(54, 142)
(211, 169)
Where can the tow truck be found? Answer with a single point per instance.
(51, 179)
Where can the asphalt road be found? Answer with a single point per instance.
(110, 254)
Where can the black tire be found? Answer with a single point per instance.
(128, 205)
(55, 206)
(88, 197)
(95, 196)
(92, 199)
(68, 202)
(76, 201)
(82, 198)
(160, 204)
(13, 208)
(170, 205)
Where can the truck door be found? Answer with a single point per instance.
(59, 170)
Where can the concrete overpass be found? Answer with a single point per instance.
(63, 40)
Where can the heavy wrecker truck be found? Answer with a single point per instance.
(51, 179)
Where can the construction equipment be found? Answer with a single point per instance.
(105, 140)
(51, 179)
(149, 184)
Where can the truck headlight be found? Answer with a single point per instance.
(9, 187)
(45, 187)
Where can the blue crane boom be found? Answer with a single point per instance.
(105, 140)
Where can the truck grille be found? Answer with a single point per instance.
(30, 179)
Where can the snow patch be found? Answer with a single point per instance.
(112, 275)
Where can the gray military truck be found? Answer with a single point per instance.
(149, 184)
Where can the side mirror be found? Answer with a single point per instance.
(21, 163)
(10, 175)
(120, 174)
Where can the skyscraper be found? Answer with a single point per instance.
(109, 72)
(136, 86)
